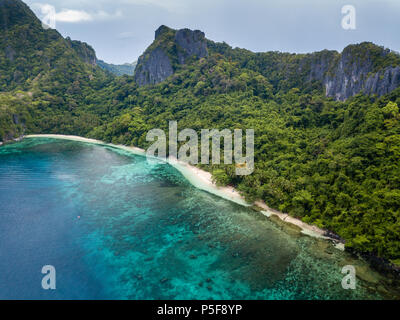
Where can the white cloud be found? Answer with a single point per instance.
(73, 16)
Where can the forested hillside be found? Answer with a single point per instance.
(43, 76)
(330, 159)
(118, 69)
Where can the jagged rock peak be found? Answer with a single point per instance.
(363, 67)
(192, 42)
(162, 29)
(170, 49)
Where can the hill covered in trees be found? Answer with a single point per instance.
(326, 152)
(118, 69)
(43, 76)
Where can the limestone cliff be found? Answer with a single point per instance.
(365, 68)
(360, 68)
(170, 49)
(83, 50)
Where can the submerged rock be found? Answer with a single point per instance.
(164, 280)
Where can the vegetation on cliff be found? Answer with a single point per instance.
(331, 163)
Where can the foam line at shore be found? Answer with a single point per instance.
(203, 180)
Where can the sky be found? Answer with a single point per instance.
(120, 30)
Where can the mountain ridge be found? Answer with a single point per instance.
(170, 49)
(118, 69)
(341, 75)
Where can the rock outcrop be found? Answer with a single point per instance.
(170, 49)
(193, 44)
(347, 84)
(357, 69)
(383, 82)
(360, 68)
(83, 50)
(154, 67)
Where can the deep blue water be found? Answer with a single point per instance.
(145, 233)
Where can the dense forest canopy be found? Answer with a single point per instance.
(331, 163)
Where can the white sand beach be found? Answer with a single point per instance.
(203, 180)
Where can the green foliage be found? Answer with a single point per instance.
(369, 53)
(332, 164)
(118, 70)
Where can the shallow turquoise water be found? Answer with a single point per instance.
(144, 233)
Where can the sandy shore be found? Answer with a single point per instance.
(203, 180)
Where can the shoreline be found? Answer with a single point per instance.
(202, 179)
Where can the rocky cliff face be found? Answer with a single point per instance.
(170, 49)
(383, 82)
(154, 67)
(84, 51)
(347, 84)
(191, 43)
(359, 68)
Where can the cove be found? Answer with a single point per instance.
(145, 232)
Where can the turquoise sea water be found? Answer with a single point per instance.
(116, 227)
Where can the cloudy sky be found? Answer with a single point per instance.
(120, 30)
